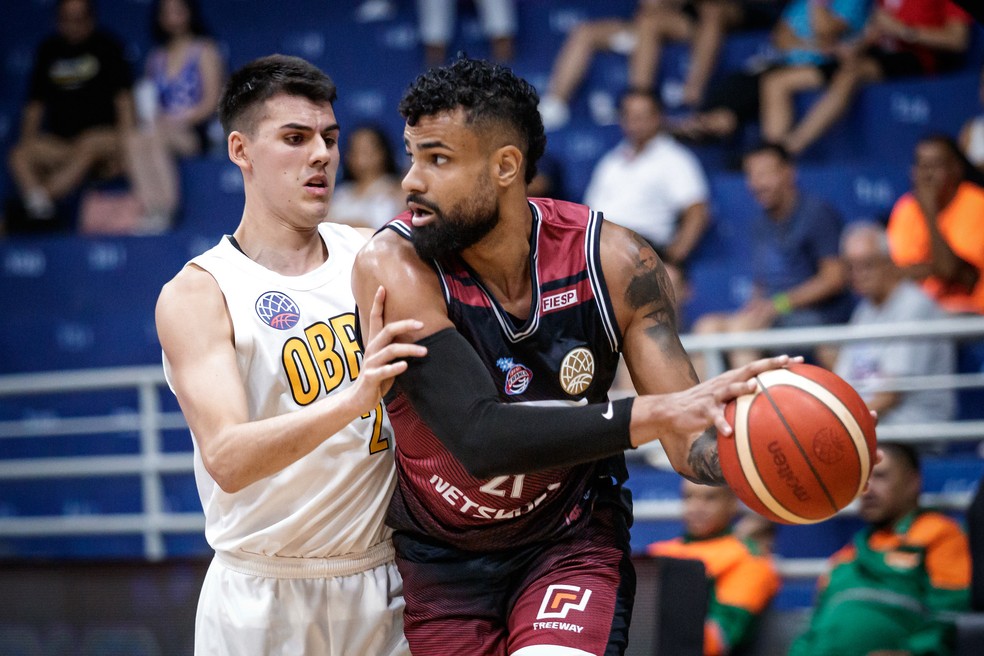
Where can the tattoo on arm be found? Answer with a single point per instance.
(703, 460)
(650, 287)
(650, 290)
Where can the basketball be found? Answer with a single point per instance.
(803, 445)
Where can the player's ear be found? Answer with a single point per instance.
(237, 149)
(507, 165)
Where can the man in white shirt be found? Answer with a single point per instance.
(887, 297)
(650, 183)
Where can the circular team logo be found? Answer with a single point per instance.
(577, 370)
(278, 310)
(518, 379)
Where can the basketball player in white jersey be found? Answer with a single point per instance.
(293, 454)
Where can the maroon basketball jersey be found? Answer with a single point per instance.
(565, 352)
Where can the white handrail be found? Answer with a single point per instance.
(714, 346)
(155, 521)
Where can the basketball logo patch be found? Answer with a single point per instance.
(561, 599)
(518, 376)
(277, 310)
(827, 448)
(577, 370)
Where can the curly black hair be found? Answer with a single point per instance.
(491, 95)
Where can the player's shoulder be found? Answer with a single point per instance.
(188, 286)
(389, 256)
(623, 249)
(342, 239)
(393, 240)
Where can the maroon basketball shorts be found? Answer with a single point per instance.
(575, 592)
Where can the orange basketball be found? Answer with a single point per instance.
(803, 445)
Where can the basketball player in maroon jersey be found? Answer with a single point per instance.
(511, 521)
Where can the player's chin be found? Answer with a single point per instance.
(316, 207)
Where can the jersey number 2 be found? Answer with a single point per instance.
(377, 442)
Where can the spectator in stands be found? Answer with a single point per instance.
(902, 38)
(703, 23)
(176, 104)
(890, 589)
(78, 111)
(936, 231)
(369, 193)
(887, 297)
(437, 19)
(805, 39)
(757, 530)
(616, 33)
(650, 183)
(743, 580)
(972, 136)
(798, 277)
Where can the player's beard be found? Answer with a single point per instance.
(464, 224)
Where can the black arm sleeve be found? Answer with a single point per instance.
(452, 392)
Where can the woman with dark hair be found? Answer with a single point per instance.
(369, 193)
(176, 102)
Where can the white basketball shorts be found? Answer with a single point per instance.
(273, 606)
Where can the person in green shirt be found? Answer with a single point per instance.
(891, 591)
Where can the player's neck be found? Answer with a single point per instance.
(286, 250)
(502, 261)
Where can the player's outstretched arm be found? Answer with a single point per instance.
(205, 376)
(673, 406)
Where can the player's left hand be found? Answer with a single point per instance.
(384, 358)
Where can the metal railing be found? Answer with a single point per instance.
(149, 420)
(150, 464)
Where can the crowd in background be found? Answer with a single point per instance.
(112, 166)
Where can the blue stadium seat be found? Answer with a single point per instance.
(212, 196)
(888, 118)
(580, 146)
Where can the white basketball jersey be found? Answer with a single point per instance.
(295, 339)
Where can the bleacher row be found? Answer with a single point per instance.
(80, 302)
